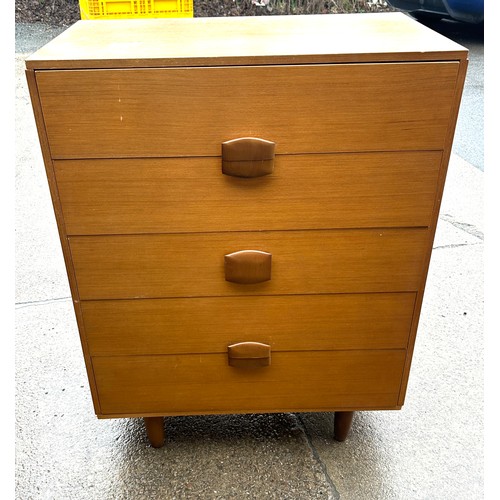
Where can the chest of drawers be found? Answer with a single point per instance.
(247, 206)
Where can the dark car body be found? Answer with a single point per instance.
(467, 11)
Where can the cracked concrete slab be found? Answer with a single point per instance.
(40, 271)
(433, 447)
(450, 235)
(463, 201)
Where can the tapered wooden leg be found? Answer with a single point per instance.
(155, 431)
(342, 424)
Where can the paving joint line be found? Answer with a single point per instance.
(468, 228)
(20, 305)
(334, 492)
(456, 245)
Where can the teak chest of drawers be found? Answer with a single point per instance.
(247, 206)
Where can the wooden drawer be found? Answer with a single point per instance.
(304, 192)
(303, 262)
(191, 111)
(210, 324)
(184, 384)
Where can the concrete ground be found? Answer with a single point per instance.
(431, 449)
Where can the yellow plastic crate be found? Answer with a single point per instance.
(123, 9)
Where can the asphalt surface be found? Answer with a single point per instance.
(431, 449)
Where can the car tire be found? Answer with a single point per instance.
(426, 16)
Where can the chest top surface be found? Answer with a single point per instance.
(244, 40)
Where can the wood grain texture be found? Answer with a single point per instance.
(287, 323)
(294, 381)
(153, 195)
(130, 113)
(187, 265)
(245, 40)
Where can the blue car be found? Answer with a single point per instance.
(467, 11)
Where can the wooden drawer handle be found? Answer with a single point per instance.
(249, 354)
(247, 267)
(247, 157)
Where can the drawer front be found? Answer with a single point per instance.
(191, 111)
(204, 383)
(191, 194)
(303, 262)
(210, 324)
